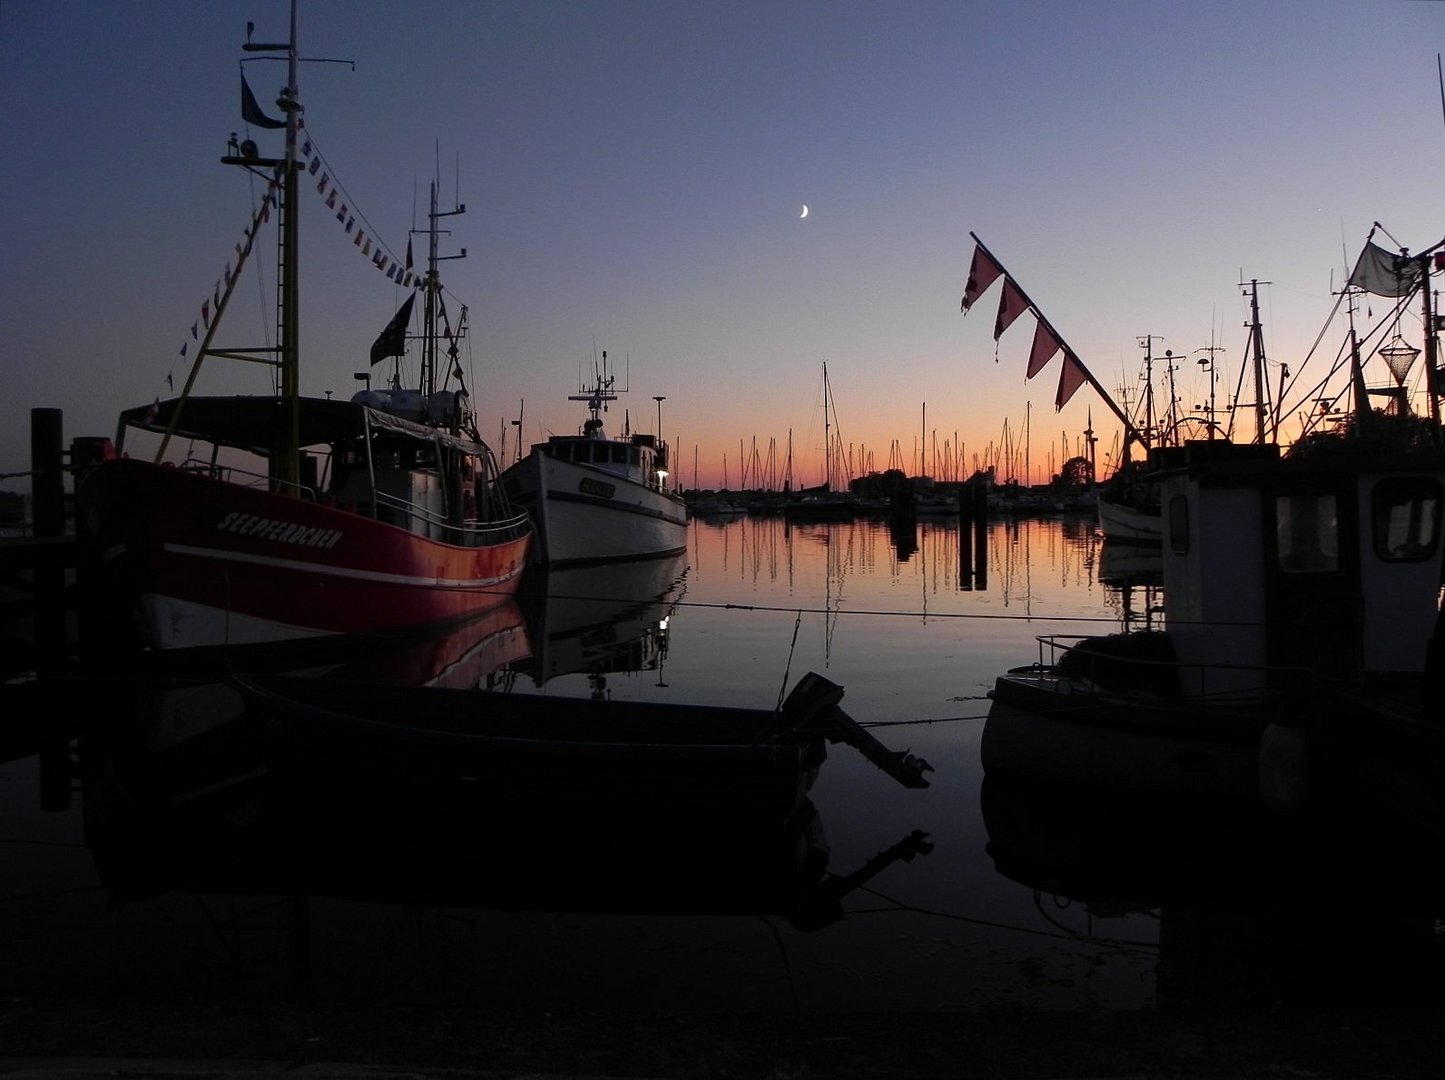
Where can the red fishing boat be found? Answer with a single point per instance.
(291, 517)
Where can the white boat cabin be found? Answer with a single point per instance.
(639, 459)
(1288, 574)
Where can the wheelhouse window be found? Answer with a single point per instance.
(1307, 531)
(1405, 516)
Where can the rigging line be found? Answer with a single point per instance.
(1147, 948)
(908, 614)
(915, 723)
(788, 667)
(350, 202)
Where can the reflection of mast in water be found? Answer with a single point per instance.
(1134, 581)
(1014, 553)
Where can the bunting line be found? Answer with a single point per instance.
(211, 306)
(983, 271)
(346, 217)
(334, 196)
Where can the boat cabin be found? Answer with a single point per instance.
(639, 459)
(1284, 574)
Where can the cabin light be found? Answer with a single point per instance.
(662, 474)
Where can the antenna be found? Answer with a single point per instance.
(1440, 74)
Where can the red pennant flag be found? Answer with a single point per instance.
(1011, 304)
(1071, 378)
(1045, 345)
(980, 276)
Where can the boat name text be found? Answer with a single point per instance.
(287, 532)
(588, 486)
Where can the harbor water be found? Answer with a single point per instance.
(976, 893)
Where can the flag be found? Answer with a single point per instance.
(392, 340)
(1045, 346)
(170, 380)
(1011, 304)
(251, 112)
(408, 252)
(1071, 378)
(980, 276)
(1385, 274)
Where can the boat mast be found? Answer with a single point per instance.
(1256, 337)
(429, 365)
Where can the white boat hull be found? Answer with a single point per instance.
(1130, 525)
(587, 515)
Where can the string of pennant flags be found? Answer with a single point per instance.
(332, 194)
(211, 306)
(381, 257)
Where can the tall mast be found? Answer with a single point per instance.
(1256, 335)
(430, 365)
(289, 304)
(827, 436)
(1433, 376)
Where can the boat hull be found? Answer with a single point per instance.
(605, 752)
(203, 563)
(587, 515)
(1127, 524)
(1039, 727)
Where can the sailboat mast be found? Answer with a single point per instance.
(827, 436)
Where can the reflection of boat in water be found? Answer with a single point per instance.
(351, 814)
(602, 619)
(1130, 564)
(1238, 911)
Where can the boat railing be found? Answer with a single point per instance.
(248, 478)
(1157, 670)
(470, 533)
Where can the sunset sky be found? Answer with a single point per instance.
(634, 175)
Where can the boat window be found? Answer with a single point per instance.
(1179, 525)
(1405, 512)
(1307, 533)
(619, 454)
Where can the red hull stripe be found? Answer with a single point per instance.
(322, 569)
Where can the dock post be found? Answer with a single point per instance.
(47, 502)
(47, 464)
(980, 535)
(965, 537)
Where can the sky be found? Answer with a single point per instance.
(634, 175)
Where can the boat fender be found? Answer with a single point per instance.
(1284, 767)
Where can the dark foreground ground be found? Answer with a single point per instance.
(129, 1038)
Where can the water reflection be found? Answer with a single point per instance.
(193, 860)
(601, 620)
(1244, 911)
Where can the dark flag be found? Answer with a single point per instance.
(1385, 273)
(251, 112)
(392, 340)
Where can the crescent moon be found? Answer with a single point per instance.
(805, 212)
